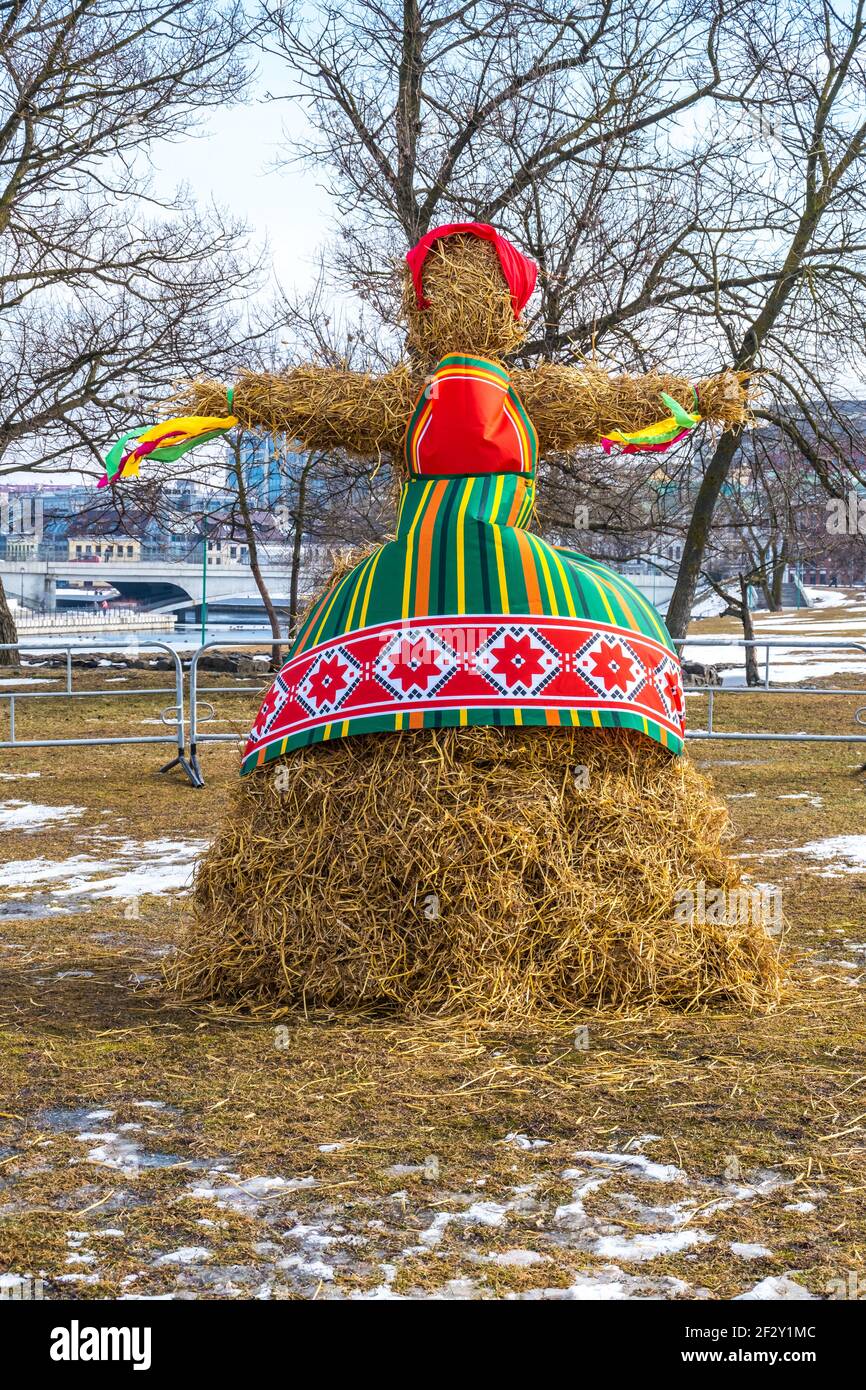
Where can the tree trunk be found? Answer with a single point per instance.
(297, 543)
(753, 676)
(8, 631)
(683, 596)
(252, 546)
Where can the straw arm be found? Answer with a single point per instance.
(572, 406)
(318, 407)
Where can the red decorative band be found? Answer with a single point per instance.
(475, 662)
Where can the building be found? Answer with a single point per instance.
(267, 467)
(22, 547)
(226, 550)
(92, 548)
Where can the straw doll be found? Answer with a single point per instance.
(477, 800)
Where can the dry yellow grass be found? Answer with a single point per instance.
(467, 871)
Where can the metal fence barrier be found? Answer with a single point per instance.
(784, 644)
(173, 716)
(201, 710)
(196, 736)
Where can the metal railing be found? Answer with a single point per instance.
(784, 644)
(173, 716)
(196, 736)
(202, 712)
(85, 618)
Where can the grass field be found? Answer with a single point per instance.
(152, 1148)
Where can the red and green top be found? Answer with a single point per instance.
(466, 616)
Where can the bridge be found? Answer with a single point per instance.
(170, 586)
(161, 585)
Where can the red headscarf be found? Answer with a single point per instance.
(519, 271)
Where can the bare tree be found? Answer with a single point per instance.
(799, 310)
(106, 295)
(688, 176)
(434, 110)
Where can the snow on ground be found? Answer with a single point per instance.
(845, 854)
(793, 665)
(840, 854)
(227, 1190)
(305, 1254)
(831, 598)
(788, 665)
(29, 817)
(649, 1247)
(710, 606)
(129, 869)
(18, 681)
(776, 1290)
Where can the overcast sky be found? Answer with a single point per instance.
(232, 162)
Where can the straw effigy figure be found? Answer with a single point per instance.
(466, 787)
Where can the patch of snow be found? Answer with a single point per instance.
(18, 776)
(645, 1167)
(28, 680)
(573, 1213)
(775, 1288)
(523, 1141)
(313, 1269)
(485, 1214)
(246, 1193)
(186, 1255)
(310, 1235)
(30, 817)
(710, 606)
(132, 869)
(517, 1259)
(479, 1213)
(829, 597)
(747, 1251)
(843, 854)
(801, 1207)
(112, 1152)
(649, 1247)
(378, 1294)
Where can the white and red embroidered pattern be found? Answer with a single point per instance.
(452, 663)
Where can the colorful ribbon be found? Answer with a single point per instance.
(660, 436)
(165, 442)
